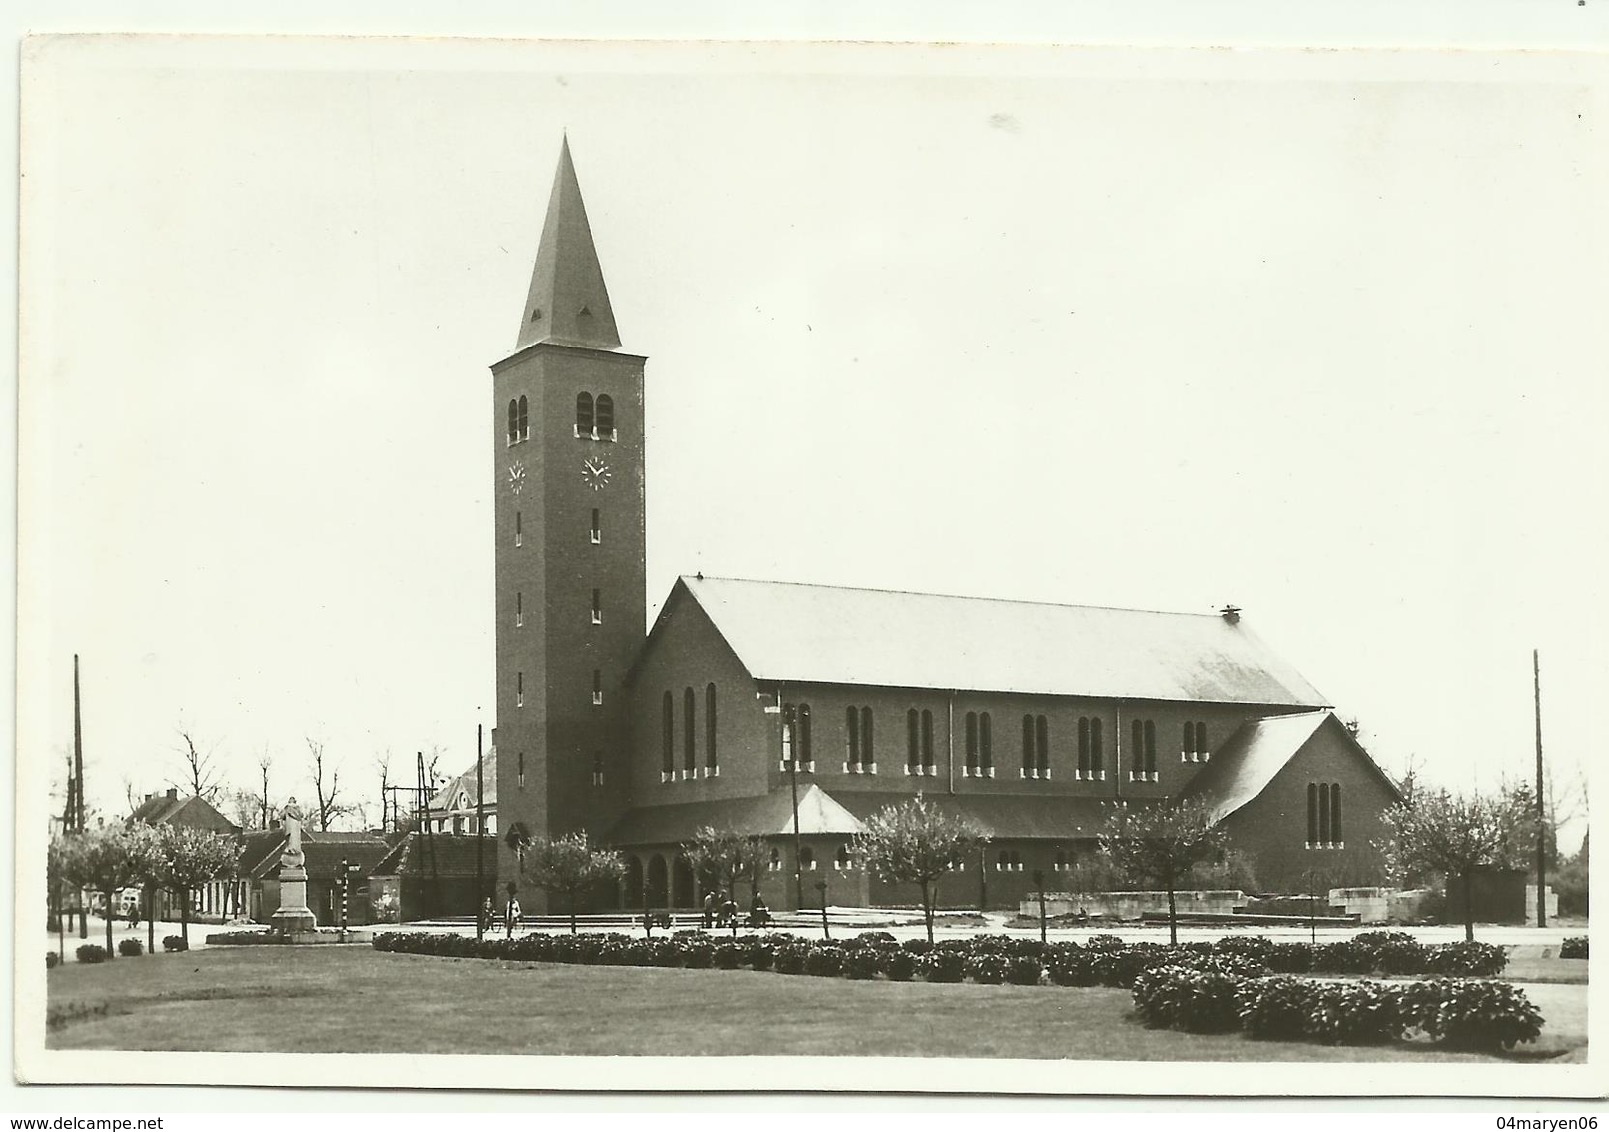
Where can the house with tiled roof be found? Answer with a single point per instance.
(326, 855)
(457, 807)
(216, 900)
(751, 701)
(431, 874)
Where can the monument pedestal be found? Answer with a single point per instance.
(294, 915)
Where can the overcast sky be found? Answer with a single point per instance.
(1320, 336)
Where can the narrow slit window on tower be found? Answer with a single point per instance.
(605, 417)
(597, 768)
(1136, 751)
(1030, 765)
(597, 607)
(928, 766)
(596, 533)
(1083, 747)
(523, 422)
(519, 689)
(712, 765)
(971, 767)
(517, 528)
(1150, 750)
(597, 685)
(519, 609)
(521, 769)
(689, 733)
(1042, 745)
(912, 738)
(985, 745)
(513, 422)
(667, 739)
(583, 415)
(1097, 757)
(851, 742)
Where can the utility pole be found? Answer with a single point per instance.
(480, 838)
(78, 792)
(1541, 803)
(790, 747)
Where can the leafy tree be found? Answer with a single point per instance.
(725, 857)
(569, 864)
(1454, 834)
(189, 859)
(1162, 844)
(917, 843)
(1570, 881)
(105, 860)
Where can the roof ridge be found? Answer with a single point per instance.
(951, 596)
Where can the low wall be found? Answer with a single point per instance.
(1131, 905)
(1369, 905)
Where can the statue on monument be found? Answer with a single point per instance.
(291, 816)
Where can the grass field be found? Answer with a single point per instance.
(356, 1000)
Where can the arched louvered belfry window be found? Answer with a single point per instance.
(667, 756)
(524, 421)
(689, 731)
(985, 744)
(583, 414)
(711, 759)
(605, 416)
(513, 421)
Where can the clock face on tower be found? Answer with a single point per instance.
(595, 473)
(516, 476)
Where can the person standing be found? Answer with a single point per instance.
(511, 910)
(709, 909)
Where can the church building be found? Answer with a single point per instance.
(1031, 719)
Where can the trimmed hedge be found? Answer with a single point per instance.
(51, 960)
(179, 943)
(91, 953)
(1105, 960)
(130, 948)
(1574, 948)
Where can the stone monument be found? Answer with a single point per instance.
(294, 916)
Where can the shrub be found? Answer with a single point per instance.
(762, 953)
(696, 953)
(1471, 958)
(943, 966)
(1276, 1008)
(728, 956)
(825, 960)
(917, 946)
(1104, 942)
(1344, 957)
(1256, 947)
(1026, 971)
(996, 944)
(900, 966)
(1574, 948)
(51, 960)
(1185, 998)
(1480, 1014)
(1348, 1013)
(877, 940)
(91, 953)
(789, 958)
(130, 947)
(990, 968)
(1070, 965)
(1290, 958)
(864, 962)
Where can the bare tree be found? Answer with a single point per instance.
(327, 794)
(130, 795)
(203, 778)
(382, 766)
(265, 762)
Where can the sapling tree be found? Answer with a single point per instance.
(105, 860)
(189, 859)
(1454, 834)
(917, 843)
(1161, 844)
(570, 865)
(725, 857)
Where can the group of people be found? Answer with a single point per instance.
(720, 913)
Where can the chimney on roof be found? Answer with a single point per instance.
(150, 797)
(1231, 614)
(173, 792)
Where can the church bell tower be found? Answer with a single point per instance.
(567, 459)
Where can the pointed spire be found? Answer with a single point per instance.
(568, 303)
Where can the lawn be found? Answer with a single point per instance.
(355, 1000)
